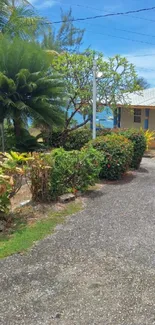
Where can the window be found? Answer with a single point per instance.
(137, 115)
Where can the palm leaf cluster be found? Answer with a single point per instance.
(19, 19)
(29, 89)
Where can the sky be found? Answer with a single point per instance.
(132, 36)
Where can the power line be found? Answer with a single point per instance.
(124, 30)
(102, 10)
(140, 55)
(133, 32)
(106, 15)
(124, 38)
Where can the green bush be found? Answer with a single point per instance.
(74, 170)
(77, 139)
(73, 140)
(117, 155)
(63, 171)
(139, 142)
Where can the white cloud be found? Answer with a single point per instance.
(144, 60)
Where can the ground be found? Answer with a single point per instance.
(98, 268)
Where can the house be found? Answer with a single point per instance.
(140, 111)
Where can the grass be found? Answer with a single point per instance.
(24, 235)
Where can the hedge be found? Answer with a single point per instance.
(63, 171)
(139, 143)
(117, 155)
(73, 140)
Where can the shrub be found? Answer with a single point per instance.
(63, 171)
(73, 140)
(74, 170)
(77, 139)
(11, 173)
(117, 155)
(139, 142)
(5, 186)
(39, 173)
(149, 137)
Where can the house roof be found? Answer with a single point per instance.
(143, 98)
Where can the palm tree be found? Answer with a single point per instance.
(18, 18)
(29, 89)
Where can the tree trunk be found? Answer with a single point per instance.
(17, 127)
(2, 136)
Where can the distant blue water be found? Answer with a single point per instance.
(99, 118)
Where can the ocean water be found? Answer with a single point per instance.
(99, 118)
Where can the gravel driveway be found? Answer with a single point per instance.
(98, 268)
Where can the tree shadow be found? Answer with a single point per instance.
(92, 194)
(142, 170)
(127, 178)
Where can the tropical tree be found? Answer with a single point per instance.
(29, 89)
(115, 76)
(67, 37)
(19, 19)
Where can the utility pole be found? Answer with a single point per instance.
(94, 99)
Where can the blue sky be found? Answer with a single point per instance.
(109, 34)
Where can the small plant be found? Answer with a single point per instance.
(149, 136)
(117, 154)
(39, 174)
(5, 187)
(12, 170)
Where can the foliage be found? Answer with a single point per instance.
(5, 186)
(28, 88)
(117, 76)
(63, 171)
(11, 175)
(27, 143)
(39, 174)
(74, 170)
(117, 155)
(66, 38)
(19, 19)
(149, 137)
(9, 139)
(142, 82)
(77, 139)
(72, 140)
(139, 142)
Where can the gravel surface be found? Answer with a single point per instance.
(98, 268)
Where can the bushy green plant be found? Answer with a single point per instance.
(5, 186)
(63, 171)
(139, 142)
(117, 155)
(12, 170)
(149, 136)
(27, 143)
(77, 139)
(74, 170)
(73, 140)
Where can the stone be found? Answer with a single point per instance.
(66, 198)
(22, 204)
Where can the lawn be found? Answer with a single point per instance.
(25, 231)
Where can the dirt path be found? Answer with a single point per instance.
(98, 268)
